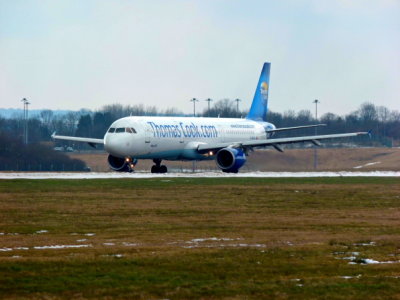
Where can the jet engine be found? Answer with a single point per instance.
(118, 164)
(230, 160)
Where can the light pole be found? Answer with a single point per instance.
(27, 123)
(237, 105)
(208, 112)
(316, 101)
(25, 119)
(194, 100)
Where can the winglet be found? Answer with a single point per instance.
(370, 133)
(53, 135)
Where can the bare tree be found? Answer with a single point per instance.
(46, 116)
(367, 112)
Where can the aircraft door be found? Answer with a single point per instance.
(221, 133)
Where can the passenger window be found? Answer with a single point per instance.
(119, 130)
(111, 130)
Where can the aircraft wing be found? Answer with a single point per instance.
(203, 148)
(90, 141)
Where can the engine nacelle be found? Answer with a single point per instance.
(118, 164)
(230, 160)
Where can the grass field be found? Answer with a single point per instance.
(181, 238)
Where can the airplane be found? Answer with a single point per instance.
(227, 140)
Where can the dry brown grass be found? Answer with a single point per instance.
(291, 160)
(270, 215)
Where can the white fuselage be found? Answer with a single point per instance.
(177, 138)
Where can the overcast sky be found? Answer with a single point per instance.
(75, 54)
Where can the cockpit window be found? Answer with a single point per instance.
(121, 129)
(111, 130)
(130, 130)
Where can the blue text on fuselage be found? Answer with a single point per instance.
(242, 126)
(183, 130)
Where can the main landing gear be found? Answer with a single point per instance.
(158, 168)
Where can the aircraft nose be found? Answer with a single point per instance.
(119, 144)
(113, 144)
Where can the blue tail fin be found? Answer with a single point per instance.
(259, 107)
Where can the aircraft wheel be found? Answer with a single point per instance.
(155, 169)
(163, 169)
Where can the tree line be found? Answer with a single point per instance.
(16, 156)
(384, 123)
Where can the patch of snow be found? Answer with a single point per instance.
(369, 261)
(97, 175)
(349, 258)
(5, 249)
(129, 244)
(16, 256)
(82, 240)
(363, 261)
(350, 277)
(41, 231)
(342, 253)
(90, 234)
(365, 244)
(225, 246)
(246, 245)
(108, 244)
(113, 255)
(368, 164)
(61, 246)
(200, 240)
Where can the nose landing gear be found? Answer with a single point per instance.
(158, 168)
(131, 163)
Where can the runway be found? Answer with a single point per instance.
(109, 175)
